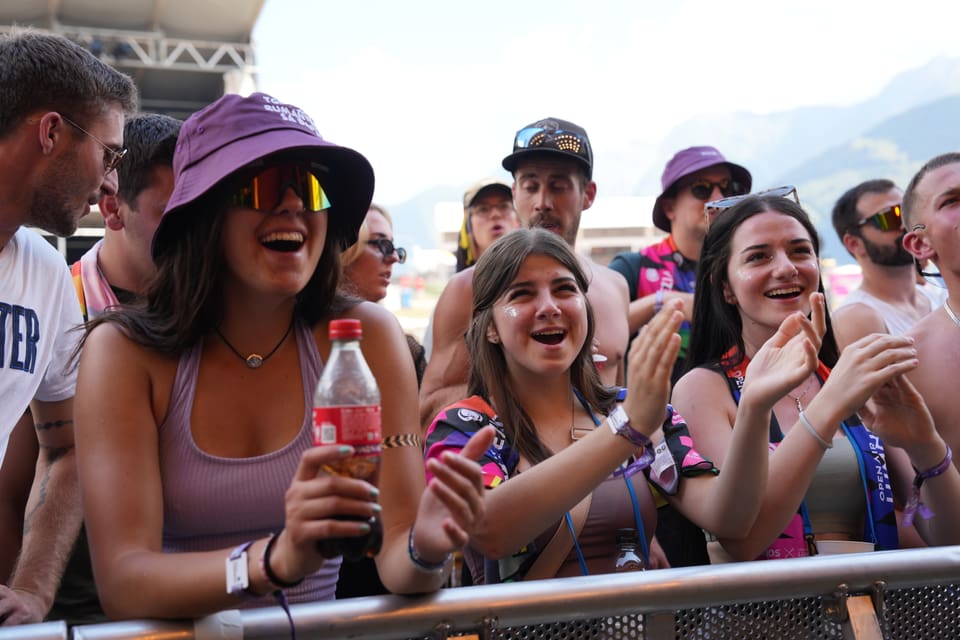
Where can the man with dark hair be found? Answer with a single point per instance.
(119, 267)
(931, 213)
(867, 219)
(61, 136)
(552, 167)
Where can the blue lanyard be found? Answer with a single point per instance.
(637, 516)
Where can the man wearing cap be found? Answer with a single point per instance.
(552, 167)
(61, 135)
(668, 270)
(867, 219)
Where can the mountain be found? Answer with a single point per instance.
(771, 145)
(895, 148)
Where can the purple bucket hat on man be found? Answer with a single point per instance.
(691, 160)
(235, 132)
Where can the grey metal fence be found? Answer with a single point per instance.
(906, 594)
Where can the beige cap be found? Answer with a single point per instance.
(474, 190)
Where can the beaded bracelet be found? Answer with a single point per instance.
(914, 504)
(420, 563)
(813, 432)
(276, 583)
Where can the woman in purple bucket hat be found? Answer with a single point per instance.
(201, 485)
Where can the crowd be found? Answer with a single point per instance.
(156, 396)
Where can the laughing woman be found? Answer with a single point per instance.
(570, 458)
(193, 448)
(758, 270)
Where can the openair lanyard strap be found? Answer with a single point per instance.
(734, 377)
(637, 516)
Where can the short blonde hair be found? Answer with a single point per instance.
(351, 253)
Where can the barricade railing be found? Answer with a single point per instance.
(897, 594)
(45, 631)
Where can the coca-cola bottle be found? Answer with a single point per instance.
(628, 557)
(346, 410)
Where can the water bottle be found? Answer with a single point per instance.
(346, 410)
(628, 558)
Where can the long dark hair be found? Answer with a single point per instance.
(717, 325)
(184, 301)
(489, 377)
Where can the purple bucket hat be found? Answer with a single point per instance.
(235, 131)
(691, 160)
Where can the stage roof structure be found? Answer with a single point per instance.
(182, 54)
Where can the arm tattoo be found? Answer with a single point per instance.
(55, 424)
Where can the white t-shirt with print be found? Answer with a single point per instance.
(39, 312)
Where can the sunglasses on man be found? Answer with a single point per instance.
(387, 249)
(712, 208)
(889, 219)
(265, 189)
(703, 189)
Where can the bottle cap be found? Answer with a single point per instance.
(346, 328)
(628, 536)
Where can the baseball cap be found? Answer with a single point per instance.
(475, 190)
(551, 136)
(234, 132)
(691, 160)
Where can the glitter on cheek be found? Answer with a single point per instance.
(510, 311)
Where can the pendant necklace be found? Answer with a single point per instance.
(953, 316)
(255, 360)
(798, 397)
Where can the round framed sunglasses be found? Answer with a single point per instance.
(387, 249)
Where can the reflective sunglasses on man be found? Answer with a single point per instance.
(265, 189)
(889, 219)
(533, 137)
(111, 156)
(387, 249)
(712, 208)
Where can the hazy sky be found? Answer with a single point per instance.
(431, 91)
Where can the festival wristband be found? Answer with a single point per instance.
(238, 578)
(658, 301)
(619, 423)
(914, 504)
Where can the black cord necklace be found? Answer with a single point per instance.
(255, 360)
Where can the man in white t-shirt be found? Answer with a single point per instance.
(61, 137)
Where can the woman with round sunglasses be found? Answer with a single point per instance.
(368, 263)
(201, 487)
(831, 483)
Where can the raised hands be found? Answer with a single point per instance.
(789, 357)
(865, 366)
(453, 501)
(898, 414)
(650, 364)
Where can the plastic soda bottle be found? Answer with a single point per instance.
(346, 410)
(628, 558)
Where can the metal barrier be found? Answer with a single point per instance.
(45, 631)
(905, 594)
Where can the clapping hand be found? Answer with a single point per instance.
(650, 366)
(789, 356)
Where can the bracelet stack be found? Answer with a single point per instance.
(914, 504)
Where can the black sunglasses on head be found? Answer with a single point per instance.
(387, 248)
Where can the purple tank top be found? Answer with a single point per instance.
(218, 503)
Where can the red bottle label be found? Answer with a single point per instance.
(357, 426)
